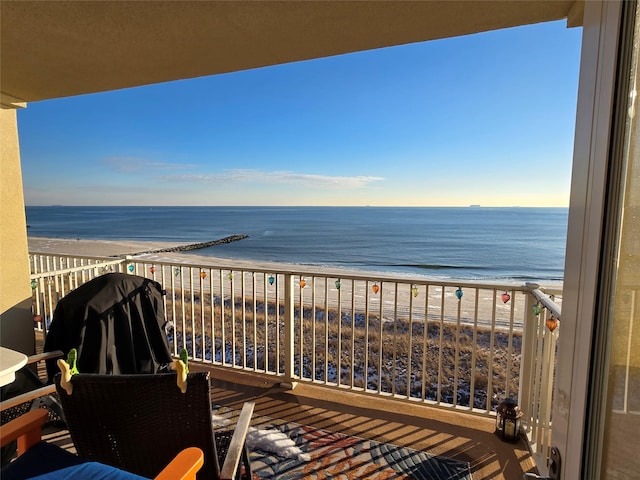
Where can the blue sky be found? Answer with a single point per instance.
(482, 119)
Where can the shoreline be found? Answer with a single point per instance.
(163, 251)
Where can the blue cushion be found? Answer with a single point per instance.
(89, 471)
(46, 461)
(39, 459)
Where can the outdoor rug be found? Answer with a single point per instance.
(289, 451)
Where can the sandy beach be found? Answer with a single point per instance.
(106, 248)
(121, 248)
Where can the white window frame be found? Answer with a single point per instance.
(585, 227)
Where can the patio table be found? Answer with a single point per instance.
(10, 362)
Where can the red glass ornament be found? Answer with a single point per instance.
(505, 297)
(375, 288)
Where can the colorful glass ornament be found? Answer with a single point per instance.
(375, 288)
(459, 293)
(152, 269)
(34, 284)
(37, 318)
(176, 271)
(303, 283)
(338, 284)
(505, 297)
(537, 309)
(552, 323)
(230, 276)
(271, 280)
(131, 268)
(414, 290)
(203, 274)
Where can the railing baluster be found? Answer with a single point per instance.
(410, 335)
(289, 322)
(232, 299)
(353, 333)
(326, 330)
(314, 338)
(339, 320)
(254, 342)
(491, 350)
(472, 389)
(456, 361)
(279, 368)
(425, 345)
(244, 318)
(440, 347)
(204, 303)
(223, 339)
(366, 338)
(381, 341)
(510, 345)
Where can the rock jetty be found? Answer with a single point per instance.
(195, 246)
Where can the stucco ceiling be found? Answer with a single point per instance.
(54, 49)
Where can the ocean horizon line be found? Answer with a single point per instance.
(474, 206)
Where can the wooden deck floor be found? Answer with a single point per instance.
(437, 431)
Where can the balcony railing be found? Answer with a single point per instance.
(456, 345)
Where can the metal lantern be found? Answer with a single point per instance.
(508, 420)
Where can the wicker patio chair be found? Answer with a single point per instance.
(36, 457)
(135, 422)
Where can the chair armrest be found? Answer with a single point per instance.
(232, 460)
(44, 356)
(27, 397)
(184, 466)
(27, 429)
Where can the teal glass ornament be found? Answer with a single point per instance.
(271, 280)
(459, 293)
(131, 268)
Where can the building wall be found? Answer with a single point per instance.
(16, 319)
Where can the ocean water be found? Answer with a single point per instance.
(519, 244)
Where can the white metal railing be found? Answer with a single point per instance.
(459, 345)
(538, 369)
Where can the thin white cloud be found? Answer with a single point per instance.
(136, 165)
(276, 177)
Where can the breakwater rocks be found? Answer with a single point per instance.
(196, 246)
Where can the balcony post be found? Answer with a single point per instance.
(527, 365)
(288, 334)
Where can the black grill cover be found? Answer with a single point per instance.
(116, 322)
